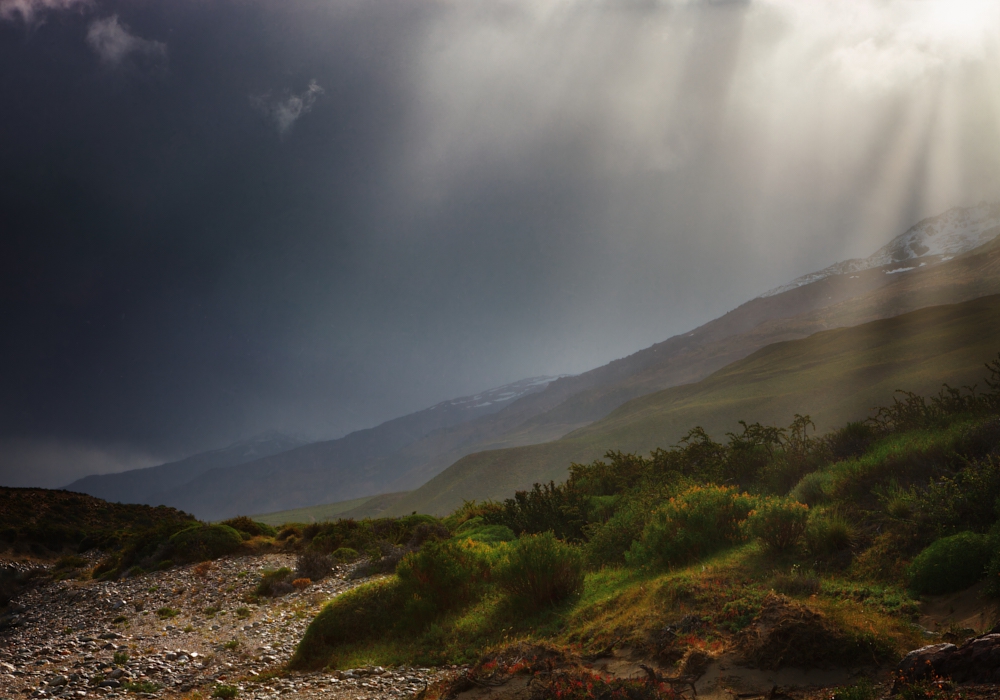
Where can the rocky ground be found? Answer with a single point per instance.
(180, 632)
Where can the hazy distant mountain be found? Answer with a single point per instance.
(257, 478)
(140, 485)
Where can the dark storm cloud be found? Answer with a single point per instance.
(226, 217)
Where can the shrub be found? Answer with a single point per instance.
(851, 441)
(540, 570)
(827, 533)
(275, 583)
(811, 489)
(369, 611)
(140, 686)
(608, 542)
(288, 531)
(301, 584)
(226, 692)
(166, 613)
(426, 532)
(313, 565)
(477, 530)
(203, 542)
(950, 564)
(250, 528)
(441, 576)
(120, 658)
(695, 523)
(778, 522)
(344, 555)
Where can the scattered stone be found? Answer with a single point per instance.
(68, 640)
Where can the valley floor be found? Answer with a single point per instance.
(185, 631)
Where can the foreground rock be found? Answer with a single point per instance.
(975, 661)
(173, 632)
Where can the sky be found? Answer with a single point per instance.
(224, 217)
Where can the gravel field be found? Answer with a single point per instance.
(177, 633)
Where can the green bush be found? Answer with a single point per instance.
(694, 524)
(477, 530)
(204, 542)
(344, 555)
(811, 489)
(250, 528)
(540, 570)
(828, 533)
(367, 612)
(608, 542)
(950, 564)
(441, 576)
(778, 522)
(225, 692)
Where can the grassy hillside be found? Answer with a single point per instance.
(358, 508)
(835, 376)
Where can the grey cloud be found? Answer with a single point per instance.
(285, 112)
(31, 11)
(55, 463)
(113, 43)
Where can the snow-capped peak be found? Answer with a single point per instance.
(956, 231)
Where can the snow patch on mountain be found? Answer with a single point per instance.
(501, 394)
(939, 238)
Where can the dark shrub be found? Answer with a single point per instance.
(383, 559)
(203, 542)
(276, 583)
(251, 528)
(540, 570)
(288, 531)
(427, 532)
(851, 441)
(608, 541)
(313, 566)
(950, 564)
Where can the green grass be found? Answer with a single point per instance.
(624, 606)
(834, 376)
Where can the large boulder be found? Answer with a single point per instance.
(975, 661)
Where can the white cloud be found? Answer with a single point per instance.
(30, 11)
(113, 43)
(285, 112)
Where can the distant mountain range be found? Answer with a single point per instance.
(950, 258)
(276, 472)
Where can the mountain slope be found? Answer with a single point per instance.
(332, 470)
(835, 376)
(140, 485)
(794, 311)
